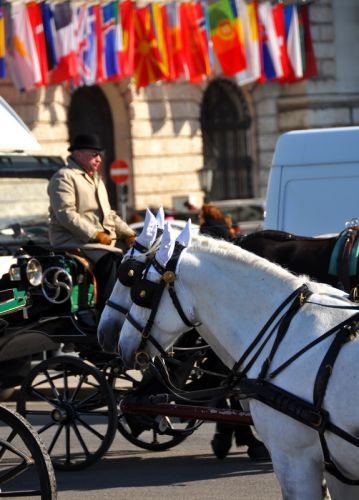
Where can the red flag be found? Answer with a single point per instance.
(175, 44)
(196, 58)
(99, 44)
(161, 26)
(34, 14)
(309, 65)
(148, 62)
(279, 25)
(127, 10)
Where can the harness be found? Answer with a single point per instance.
(148, 294)
(344, 259)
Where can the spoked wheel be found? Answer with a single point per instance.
(25, 465)
(151, 433)
(73, 408)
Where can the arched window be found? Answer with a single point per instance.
(225, 121)
(89, 113)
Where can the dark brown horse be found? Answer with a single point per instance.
(326, 259)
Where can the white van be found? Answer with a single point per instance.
(313, 185)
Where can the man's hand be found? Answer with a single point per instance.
(103, 238)
(129, 240)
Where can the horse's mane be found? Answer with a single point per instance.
(234, 253)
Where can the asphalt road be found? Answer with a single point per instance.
(188, 471)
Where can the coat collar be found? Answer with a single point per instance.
(75, 167)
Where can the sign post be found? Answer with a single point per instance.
(119, 172)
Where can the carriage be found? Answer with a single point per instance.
(70, 390)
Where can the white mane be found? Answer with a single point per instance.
(238, 255)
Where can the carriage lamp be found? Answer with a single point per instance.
(206, 181)
(34, 272)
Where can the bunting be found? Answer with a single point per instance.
(79, 43)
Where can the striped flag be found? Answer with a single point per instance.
(272, 66)
(293, 42)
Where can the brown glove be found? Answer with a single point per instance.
(129, 240)
(104, 238)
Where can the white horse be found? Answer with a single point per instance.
(230, 294)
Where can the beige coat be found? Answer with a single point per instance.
(79, 209)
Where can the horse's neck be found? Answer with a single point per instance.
(233, 299)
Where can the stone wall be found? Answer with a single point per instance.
(166, 144)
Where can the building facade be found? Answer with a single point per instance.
(168, 132)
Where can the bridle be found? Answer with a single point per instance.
(129, 271)
(148, 294)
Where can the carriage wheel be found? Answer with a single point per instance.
(72, 407)
(151, 433)
(25, 466)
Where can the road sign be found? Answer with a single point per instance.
(119, 171)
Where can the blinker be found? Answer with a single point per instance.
(144, 292)
(129, 271)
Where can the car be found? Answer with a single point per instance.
(247, 213)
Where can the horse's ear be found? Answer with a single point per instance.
(165, 251)
(184, 238)
(160, 218)
(148, 233)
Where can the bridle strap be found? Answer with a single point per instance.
(303, 289)
(117, 307)
(177, 304)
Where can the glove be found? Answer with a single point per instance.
(103, 238)
(129, 240)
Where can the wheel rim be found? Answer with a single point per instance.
(72, 408)
(25, 466)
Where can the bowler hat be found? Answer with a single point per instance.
(86, 141)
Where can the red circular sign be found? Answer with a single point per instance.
(119, 171)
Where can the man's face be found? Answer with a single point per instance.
(90, 159)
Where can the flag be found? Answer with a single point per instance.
(65, 43)
(293, 42)
(2, 42)
(23, 60)
(49, 31)
(249, 17)
(194, 50)
(175, 39)
(272, 66)
(279, 25)
(225, 37)
(35, 17)
(111, 40)
(127, 10)
(99, 43)
(309, 65)
(204, 31)
(147, 61)
(86, 43)
(161, 30)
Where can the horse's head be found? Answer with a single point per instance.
(156, 304)
(131, 268)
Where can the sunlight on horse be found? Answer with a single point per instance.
(232, 293)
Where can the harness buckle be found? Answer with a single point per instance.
(169, 277)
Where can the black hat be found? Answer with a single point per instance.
(86, 141)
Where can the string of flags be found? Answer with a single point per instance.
(45, 43)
